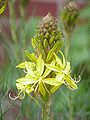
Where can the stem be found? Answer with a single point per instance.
(67, 45)
(13, 25)
(13, 22)
(67, 48)
(46, 110)
(70, 106)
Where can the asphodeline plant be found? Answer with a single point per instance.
(45, 72)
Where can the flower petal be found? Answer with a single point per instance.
(70, 83)
(42, 89)
(40, 65)
(47, 71)
(26, 81)
(51, 81)
(58, 60)
(63, 58)
(52, 67)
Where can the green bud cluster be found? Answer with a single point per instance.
(69, 16)
(48, 34)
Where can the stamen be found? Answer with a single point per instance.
(77, 80)
(12, 98)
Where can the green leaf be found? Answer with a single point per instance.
(47, 71)
(30, 56)
(42, 89)
(51, 67)
(51, 81)
(26, 81)
(3, 4)
(40, 65)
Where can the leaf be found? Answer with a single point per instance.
(3, 4)
(40, 65)
(26, 81)
(54, 68)
(42, 89)
(30, 56)
(47, 71)
(51, 81)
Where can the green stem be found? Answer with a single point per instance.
(70, 106)
(13, 22)
(67, 49)
(46, 110)
(67, 45)
(13, 25)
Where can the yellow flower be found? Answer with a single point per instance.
(62, 71)
(35, 78)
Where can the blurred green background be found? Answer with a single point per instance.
(15, 35)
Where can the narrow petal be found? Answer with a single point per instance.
(40, 65)
(67, 68)
(51, 81)
(70, 83)
(26, 81)
(47, 71)
(58, 60)
(60, 76)
(51, 67)
(42, 89)
(63, 58)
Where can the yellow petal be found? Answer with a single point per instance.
(67, 68)
(63, 58)
(40, 65)
(71, 84)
